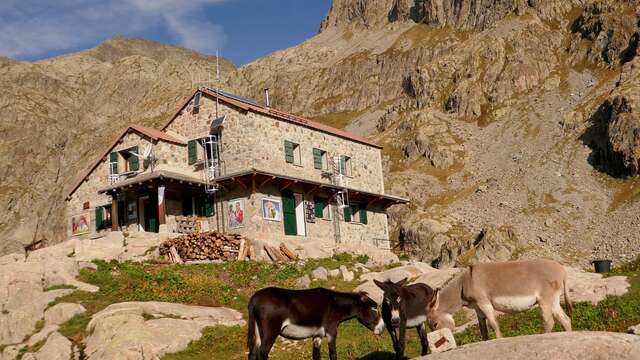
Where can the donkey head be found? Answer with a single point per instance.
(392, 298)
(368, 314)
(437, 318)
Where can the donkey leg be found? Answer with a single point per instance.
(422, 332)
(401, 341)
(489, 313)
(331, 339)
(547, 316)
(482, 322)
(560, 315)
(394, 338)
(317, 342)
(269, 337)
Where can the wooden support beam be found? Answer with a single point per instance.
(313, 189)
(291, 182)
(265, 182)
(244, 186)
(114, 213)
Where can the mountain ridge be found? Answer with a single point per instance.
(495, 119)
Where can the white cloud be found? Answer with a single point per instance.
(29, 28)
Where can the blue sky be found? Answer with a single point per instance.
(243, 30)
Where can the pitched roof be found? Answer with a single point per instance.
(250, 105)
(146, 131)
(156, 134)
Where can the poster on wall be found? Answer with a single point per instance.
(309, 212)
(235, 213)
(80, 224)
(271, 209)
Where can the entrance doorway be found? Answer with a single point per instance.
(150, 215)
(293, 213)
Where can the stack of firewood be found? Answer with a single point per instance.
(210, 245)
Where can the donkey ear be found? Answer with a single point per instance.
(402, 282)
(364, 297)
(380, 284)
(435, 300)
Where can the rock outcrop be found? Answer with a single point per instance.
(148, 330)
(581, 345)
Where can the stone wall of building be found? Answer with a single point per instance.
(321, 230)
(251, 140)
(99, 179)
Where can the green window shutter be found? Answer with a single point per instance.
(113, 162)
(134, 161)
(289, 213)
(193, 151)
(209, 205)
(343, 165)
(288, 151)
(363, 216)
(317, 159)
(347, 214)
(99, 218)
(319, 207)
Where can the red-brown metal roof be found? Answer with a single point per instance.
(249, 105)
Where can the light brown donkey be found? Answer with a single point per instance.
(508, 287)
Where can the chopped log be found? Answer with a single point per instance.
(287, 252)
(175, 257)
(274, 253)
(241, 251)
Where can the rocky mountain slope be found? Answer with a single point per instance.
(510, 124)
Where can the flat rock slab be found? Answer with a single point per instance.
(561, 345)
(60, 313)
(592, 287)
(148, 330)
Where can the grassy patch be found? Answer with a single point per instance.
(58, 287)
(228, 284)
(75, 327)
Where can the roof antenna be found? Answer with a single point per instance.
(217, 82)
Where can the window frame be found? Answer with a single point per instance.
(296, 154)
(324, 159)
(348, 165)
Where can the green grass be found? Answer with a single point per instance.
(231, 284)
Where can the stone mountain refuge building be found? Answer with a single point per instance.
(226, 163)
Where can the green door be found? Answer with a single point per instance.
(289, 213)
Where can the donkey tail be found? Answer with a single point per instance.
(253, 343)
(567, 301)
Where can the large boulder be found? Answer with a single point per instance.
(148, 330)
(560, 345)
(60, 313)
(57, 347)
(592, 287)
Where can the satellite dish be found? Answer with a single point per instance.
(145, 154)
(147, 151)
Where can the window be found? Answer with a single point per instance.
(345, 165)
(113, 163)
(292, 153)
(199, 149)
(322, 210)
(196, 102)
(126, 158)
(356, 214)
(320, 159)
(103, 217)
